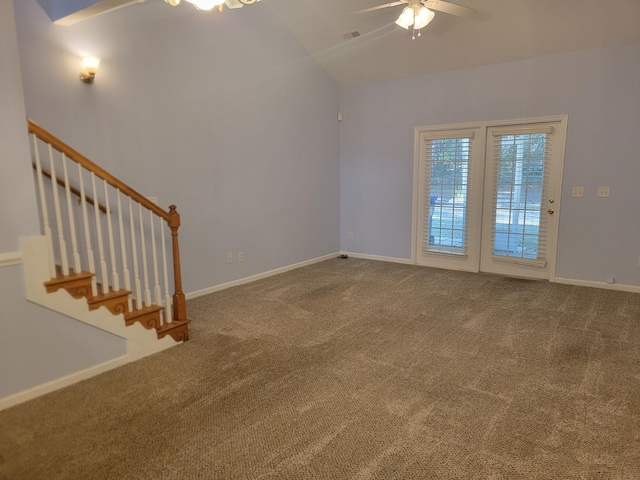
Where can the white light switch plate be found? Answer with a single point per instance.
(603, 191)
(577, 192)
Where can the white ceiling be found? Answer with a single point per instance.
(502, 31)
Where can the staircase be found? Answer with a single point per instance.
(104, 246)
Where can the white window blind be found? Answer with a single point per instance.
(447, 157)
(520, 161)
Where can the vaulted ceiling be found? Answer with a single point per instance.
(501, 31)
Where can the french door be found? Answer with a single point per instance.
(488, 196)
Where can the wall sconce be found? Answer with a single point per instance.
(89, 68)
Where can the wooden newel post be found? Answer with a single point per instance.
(179, 301)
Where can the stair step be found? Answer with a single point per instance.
(115, 301)
(178, 330)
(147, 316)
(77, 284)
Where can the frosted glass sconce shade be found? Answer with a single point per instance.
(89, 69)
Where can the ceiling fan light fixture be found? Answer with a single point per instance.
(406, 18)
(206, 4)
(423, 17)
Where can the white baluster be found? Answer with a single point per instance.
(62, 244)
(145, 271)
(103, 263)
(168, 314)
(123, 248)
(87, 234)
(156, 276)
(115, 279)
(45, 213)
(134, 255)
(72, 221)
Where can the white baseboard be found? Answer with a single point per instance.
(270, 273)
(10, 258)
(606, 286)
(366, 256)
(61, 382)
(380, 258)
(566, 281)
(259, 276)
(140, 342)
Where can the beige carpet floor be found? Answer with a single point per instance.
(356, 369)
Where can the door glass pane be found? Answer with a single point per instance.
(519, 195)
(448, 180)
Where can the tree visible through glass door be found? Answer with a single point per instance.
(519, 198)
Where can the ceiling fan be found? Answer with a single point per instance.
(418, 13)
(211, 4)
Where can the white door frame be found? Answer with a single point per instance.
(482, 129)
(471, 260)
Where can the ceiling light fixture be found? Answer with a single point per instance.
(417, 15)
(209, 5)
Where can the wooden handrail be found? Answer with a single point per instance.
(172, 217)
(72, 189)
(77, 157)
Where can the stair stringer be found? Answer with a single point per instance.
(140, 341)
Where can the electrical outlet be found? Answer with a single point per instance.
(229, 257)
(241, 256)
(603, 191)
(610, 280)
(577, 192)
(350, 236)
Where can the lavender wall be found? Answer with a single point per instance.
(223, 114)
(598, 89)
(36, 345)
(16, 181)
(226, 116)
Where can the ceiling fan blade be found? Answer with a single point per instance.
(379, 7)
(450, 8)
